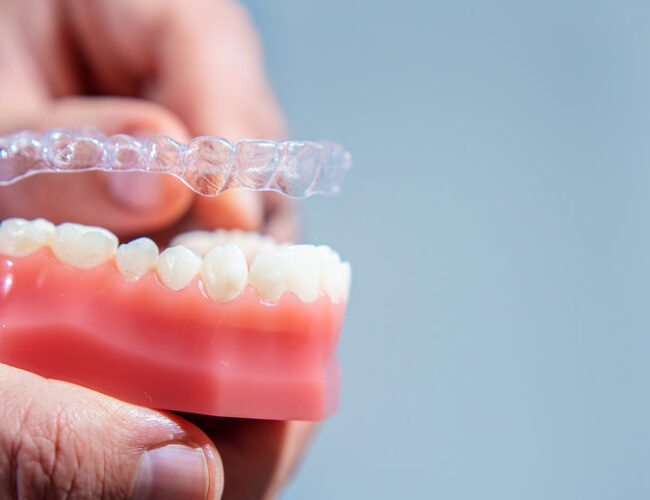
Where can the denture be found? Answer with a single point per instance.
(224, 323)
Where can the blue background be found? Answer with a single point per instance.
(497, 221)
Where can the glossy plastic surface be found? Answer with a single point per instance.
(208, 165)
(176, 350)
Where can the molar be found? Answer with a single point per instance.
(224, 272)
(20, 237)
(201, 242)
(177, 267)
(83, 246)
(268, 274)
(134, 259)
(250, 243)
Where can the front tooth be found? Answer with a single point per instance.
(134, 259)
(178, 266)
(224, 272)
(268, 274)
(304, 271)
(19, 237)
(330, 272)
(83, 246)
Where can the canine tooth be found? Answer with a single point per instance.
(134, 259)
(83, 246)
(268, 274)
(178, 266)
(224, 272)
(199, 241)
(330, 272)
(303, 277)
(20, 237)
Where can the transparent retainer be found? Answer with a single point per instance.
(208, 165)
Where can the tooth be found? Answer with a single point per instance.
(304, 271)
(19, 237)
(134, 259)
(346, 271)
(203, 241)
(330, 272)
(268, 274)
(83, 246)
(249, 246)
(250, 243)
(224, 272)
(200, 242)
(178, 266)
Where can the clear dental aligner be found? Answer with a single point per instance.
(208, 165)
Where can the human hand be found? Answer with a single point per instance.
(176, 68)
(173, 67)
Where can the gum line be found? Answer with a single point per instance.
(208, 165)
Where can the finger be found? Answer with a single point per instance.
(201, 60)
(222, 90)
(58, 440)
(123, 202)
(258, 456)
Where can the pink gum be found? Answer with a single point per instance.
(145, 344)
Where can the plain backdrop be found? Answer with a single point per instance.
(497, 339)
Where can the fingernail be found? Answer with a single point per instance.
(135, 190)
(173, 471)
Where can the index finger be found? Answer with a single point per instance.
(200, 59)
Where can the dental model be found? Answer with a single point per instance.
(225, 323)
(208, 165)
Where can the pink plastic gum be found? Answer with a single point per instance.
(174, 350)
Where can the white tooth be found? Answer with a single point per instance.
(304, 271)
(83, 246)
(222, 237)
(134, 259)
(330, 272)
(199, 241)
(178, 266)
(19, 237)
(268, 274)
(249, 246)
(346, 271)
(224, 272)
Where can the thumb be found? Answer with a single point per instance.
(58, 440)
(124, 202)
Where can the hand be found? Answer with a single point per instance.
(58, 440)
(187, 68)
(173, 67)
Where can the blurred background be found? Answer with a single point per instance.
(496, 217)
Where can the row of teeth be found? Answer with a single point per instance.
(224, 261)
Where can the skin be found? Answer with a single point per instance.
(172, 67)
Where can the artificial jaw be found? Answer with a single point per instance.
(226, 323)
